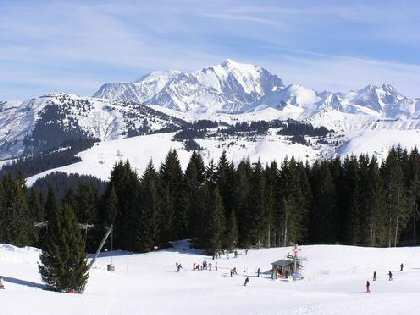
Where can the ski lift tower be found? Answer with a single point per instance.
(297, 262)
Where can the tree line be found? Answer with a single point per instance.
(354, 201)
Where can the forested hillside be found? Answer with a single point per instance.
(220, 206)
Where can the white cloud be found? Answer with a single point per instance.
(76, 44)
(342, 73)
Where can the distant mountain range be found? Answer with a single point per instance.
(233, 87)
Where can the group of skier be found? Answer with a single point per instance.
(222, 252)
(208, 266)
(390, 277)
(203, 266)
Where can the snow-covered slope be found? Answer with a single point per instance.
(334, 283)
(46, 118)
(379, 141)
(99, 160)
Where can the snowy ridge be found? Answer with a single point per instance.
(228, 87)
(96, 118)
(233, 87)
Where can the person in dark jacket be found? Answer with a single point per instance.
(374, 275)
(389, 275)
(246, 281)
(258, 272)
(367, 287)
(401, 267)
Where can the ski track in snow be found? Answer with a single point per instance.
(334, 283)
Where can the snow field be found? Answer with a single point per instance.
(99, 160)
(334, 283)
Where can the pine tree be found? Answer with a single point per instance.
(109, 207)
(36, 208)
(194, 180)
(324, 227)
(63, 262)
(256, 222)
(225, 180)
(215, 221)
(17, 223)
(174, 192)
(231, 233)
(397, 208)
(293, 202)
(127, 187)
(271, 178)
(148, 228)
(413, 173)
(350, 201)
(242, 192)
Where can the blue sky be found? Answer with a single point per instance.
(75, 46)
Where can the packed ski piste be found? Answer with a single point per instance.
(313, 279)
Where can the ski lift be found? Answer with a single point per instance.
(98, 251)
(110, 266)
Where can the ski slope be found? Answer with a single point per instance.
(99, 160)
(334, 283)
(378, 142)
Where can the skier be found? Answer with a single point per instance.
(246, 281)
(1, 283)
(246, 251)
(367, 287)
(389, 275)
(209, 266)
(235, 253)
(374, 275)
(258, 272)
(401, 267)
(178, 267)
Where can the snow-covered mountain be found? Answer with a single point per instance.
(367, 120)
(51, 120)
(228, 87)
(233, 87)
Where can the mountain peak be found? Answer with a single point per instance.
(231, 64)
(389, 88)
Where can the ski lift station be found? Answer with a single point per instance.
(284, 268)
(291, 266)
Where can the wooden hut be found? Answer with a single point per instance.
(284, 268)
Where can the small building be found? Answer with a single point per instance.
(284, 268)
